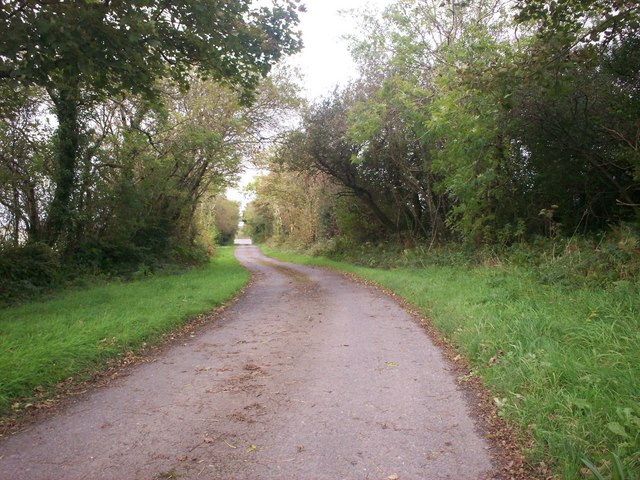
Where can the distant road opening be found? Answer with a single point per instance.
(242, 241)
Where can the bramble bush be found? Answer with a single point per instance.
(27, 269)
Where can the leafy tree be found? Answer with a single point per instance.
(573, 23)
(227, 220)
(323, 146)
(424, 59)
(258, 220)
(23, 149)
(577, 108)
(86, 51)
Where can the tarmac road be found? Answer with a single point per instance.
(310, 375)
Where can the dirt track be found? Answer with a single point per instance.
(308, 376)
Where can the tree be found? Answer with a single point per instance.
(577, 108)
(258, 220)
(421, 62)
(579, 22)
(227, 220)
(147, 188)
(23, 147)
(84, 51)
(323, 145)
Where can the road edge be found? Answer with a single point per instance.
(506, 441)
(73, 391)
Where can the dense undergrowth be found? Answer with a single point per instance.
(553, 329)
(33, 270)
(610, 259)
(74, 333)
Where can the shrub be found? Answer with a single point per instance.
(27, 269)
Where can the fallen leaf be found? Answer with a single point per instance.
(182, 458)
(500, 402)
(230, 446)
(457, 358)
(252, 448)
(392, 364)
(208, 439)
(393, 477)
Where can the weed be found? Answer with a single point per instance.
(617, 471)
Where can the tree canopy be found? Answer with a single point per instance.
(112, 46)
(482, 122)
(78, 56)
(118, 119)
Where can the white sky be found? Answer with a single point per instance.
(325, 61)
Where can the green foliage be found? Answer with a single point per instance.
(258, 222)
(593, 21)
(126, 46)
(618, 470)
(291, 206)
(27, 270)
(145, 176)
(74, 333)
(106, 68)
(460, 130)
(611, 260)
(227, 220)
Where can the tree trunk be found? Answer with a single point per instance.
(366, 196)
(33, 227)
(16, 216)
(60, 216)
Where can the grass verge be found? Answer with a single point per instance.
(562, 363)
(74, 333)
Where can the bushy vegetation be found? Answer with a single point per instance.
(27, 270)
(119, 120)
(460, 130)
(561, 355)
(612, 258)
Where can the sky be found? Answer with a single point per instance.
(325, 61)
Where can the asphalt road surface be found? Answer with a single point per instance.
(310, 375)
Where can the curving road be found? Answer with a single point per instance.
(308, 376)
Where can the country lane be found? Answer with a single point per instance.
(309, 375)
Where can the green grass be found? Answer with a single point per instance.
(74, 333)
(562, 363)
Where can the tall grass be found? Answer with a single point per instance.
(74, 332)
(562, 363)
